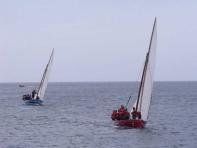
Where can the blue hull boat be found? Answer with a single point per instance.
(37, 95)
(34, 102)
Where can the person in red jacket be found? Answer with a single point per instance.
(123, 113)
(115, 115)
(136, 114)
(121, 109)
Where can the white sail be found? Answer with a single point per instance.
(45, 77)
(145, 92)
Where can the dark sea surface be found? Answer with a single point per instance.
(77, 115)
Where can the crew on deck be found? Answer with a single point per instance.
(121, 114)
(33, 94)
(136, 114)
(122, 109)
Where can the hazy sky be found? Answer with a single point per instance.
(96, 40)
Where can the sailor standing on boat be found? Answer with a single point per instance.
(121, 109)
(136, 114)
(33, 93)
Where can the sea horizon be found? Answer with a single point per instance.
(100, 81)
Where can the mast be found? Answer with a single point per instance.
(142, 103)
(141, 82)
(140, 92)
(44, 77)
(152, 35)
(41, 82)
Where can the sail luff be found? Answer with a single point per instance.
(143, 81)
(144, 98)
(41, 82)
(152, 34)
(44, 80)
(148, 82)
(141, 85)
(44, 74)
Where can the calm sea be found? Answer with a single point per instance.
(77, 115)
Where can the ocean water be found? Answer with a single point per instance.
(77, 115)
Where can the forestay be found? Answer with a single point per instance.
(142, 104)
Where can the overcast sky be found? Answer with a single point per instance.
(96, 40)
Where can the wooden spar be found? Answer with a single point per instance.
(140, 92)
(128, 102)
(142, 82)
(152, 35)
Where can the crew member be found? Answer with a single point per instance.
(114, 115)
(122, 109)
(134, 113)
(33, 93)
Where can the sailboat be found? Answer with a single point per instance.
(140, 109)
(37, 96)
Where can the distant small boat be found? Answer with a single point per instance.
(139, 113)
(36, 98)
(20, 85)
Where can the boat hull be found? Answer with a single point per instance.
(34, 102)
(131, 123)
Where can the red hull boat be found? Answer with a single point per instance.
(130, 123)
(139, 115)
